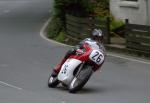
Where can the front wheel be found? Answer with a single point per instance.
(81, 79)
(52, 81)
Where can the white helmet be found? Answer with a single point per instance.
(97, 32)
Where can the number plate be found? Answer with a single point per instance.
(97, 57)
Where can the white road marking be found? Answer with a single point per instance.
(42, 34)
(128, 58)
(9, 85)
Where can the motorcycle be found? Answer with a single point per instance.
(78, 68)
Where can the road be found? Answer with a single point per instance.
(26, 60)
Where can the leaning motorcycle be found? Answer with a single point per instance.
(78, 68)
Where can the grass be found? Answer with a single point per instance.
(61, 37)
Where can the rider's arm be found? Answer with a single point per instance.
(73, 50)
(80, 45)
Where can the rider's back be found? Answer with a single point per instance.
(94, 44)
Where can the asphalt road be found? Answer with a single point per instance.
(26, 60)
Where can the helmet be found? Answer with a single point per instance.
(97, 33)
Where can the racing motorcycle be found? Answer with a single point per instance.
(78, 68)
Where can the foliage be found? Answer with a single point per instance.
(75, 7)
(61, 7)
(54, 27)
(114, 24)
(103, 3)
(79, 8)
(82, 8)
(59, 12)
(61, 37)
(101, 8)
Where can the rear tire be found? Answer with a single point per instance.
(52, 82)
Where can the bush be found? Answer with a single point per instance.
(101, 8)
(80, 8)
(61, 7)
(59, 10)
(54, 27)
(117, 27)
(116, 24)
(61, 37)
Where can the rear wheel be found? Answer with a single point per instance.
(80, 79)
(52, 81)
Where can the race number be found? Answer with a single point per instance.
(97, 57)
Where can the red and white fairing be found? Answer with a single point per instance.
(91, 54)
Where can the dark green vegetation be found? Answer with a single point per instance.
(97, 9)
(79, 8)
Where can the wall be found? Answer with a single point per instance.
(136, 12)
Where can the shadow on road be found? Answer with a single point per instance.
(84, 90)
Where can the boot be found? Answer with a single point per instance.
(57, 68)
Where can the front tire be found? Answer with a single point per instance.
(52, 81)
(81, 79)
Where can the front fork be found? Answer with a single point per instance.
(84, 70)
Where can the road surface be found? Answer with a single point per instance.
(26, 60)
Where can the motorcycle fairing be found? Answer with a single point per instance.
(66, 73)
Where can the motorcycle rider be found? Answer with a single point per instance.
(96, 41)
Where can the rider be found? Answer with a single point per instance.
(96, 40)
